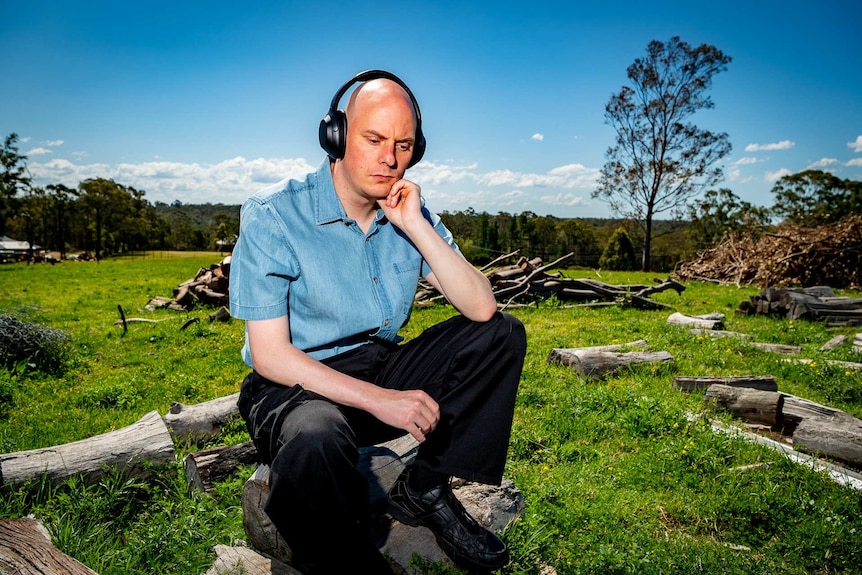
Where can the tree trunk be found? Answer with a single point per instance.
(599, 364)
(202, 420)
(147, 440)
(838, 437)
(751, 405)
(761, 382)
(695, 322)
(25, 548)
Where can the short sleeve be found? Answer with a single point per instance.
(262, 265)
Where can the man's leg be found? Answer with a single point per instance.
(318, 499)
(472, 369)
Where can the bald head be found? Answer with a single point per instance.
(378, 94)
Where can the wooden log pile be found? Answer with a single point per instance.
(530, 280)
(209, 286)
(818, 303)
(790, 256)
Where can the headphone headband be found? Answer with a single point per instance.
(333, 127)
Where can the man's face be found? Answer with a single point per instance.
(380, 135)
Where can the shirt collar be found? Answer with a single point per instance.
(327, 204)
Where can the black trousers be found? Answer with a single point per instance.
(318, 498)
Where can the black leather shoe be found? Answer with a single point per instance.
(470, 545)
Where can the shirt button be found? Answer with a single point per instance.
(375, 280)
(386, 322)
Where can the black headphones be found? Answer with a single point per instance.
(333, 126)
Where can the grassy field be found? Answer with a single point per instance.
(616, 477)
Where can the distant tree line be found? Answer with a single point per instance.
(105, 218)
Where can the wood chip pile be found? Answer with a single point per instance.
(789, 256)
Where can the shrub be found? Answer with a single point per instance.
(26, 346)
(619, 255)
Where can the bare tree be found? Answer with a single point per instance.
(660, 159)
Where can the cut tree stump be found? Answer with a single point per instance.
(751, 405)
(147, 440)
(597, 364)
(26, 549)
(761, 382)
(493, 507)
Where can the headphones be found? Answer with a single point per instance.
(333, 126)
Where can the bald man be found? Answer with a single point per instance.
(324, 273)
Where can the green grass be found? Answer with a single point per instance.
(615, 476)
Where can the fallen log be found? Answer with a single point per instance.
(838, 437)
(201, 420)
(751, 405)
(834, 343)
(761, 382)
(25, 548)
(127, 449)
(702, 323)
(591, 364)
(717, 333)
(779, 348)
(209, 466)
(242, 560)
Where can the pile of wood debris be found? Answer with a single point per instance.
(207, 287)
(529, 281)
(817, 303)
(789, 256)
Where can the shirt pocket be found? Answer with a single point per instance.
(407, 276)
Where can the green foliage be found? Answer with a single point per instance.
(619, 255)
(815, 198)
(721, 211)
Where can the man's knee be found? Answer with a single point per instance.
(314, 431)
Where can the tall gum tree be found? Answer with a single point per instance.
(660, 159)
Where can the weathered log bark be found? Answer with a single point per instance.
(237, 559)
(717, 333)
(685, 320)
(838, 437)
(25, 548)
(147, 440)
(563, 355)
(207, 467)
(751, 405)
(599, 364)
(202, 420)
(834, 343)
(761, 382)
(779, 348)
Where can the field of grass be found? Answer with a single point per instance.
(617, 478)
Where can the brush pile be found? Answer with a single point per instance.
(786, 257)
(530, 280)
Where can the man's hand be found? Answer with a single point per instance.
(403, 205)
(412, 410)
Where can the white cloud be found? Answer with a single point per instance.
(854, 162)
(566, 177)
(783, 145)
(773, 177)
(230, 181)
(745, 161)
(53, 143)
(538, 137)
(39, 152)
(562, 199)
(857, 145)
(822, 163)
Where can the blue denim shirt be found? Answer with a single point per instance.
(299, 255)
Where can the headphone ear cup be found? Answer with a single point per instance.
(418, 149)
(332, 133)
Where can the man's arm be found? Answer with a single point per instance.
(276, 359)
(466, 288)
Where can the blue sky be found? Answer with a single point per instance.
(210, 101)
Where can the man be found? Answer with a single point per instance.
(324, 273)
